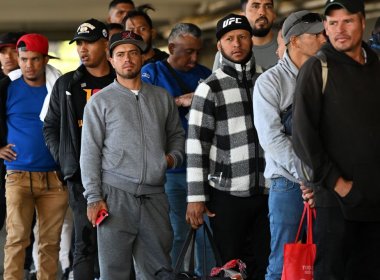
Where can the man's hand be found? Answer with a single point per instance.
(7, 153)
(194, 214)
(342, 187)
(169, 161)
(93, 209)
(184, 100)
(308, 195)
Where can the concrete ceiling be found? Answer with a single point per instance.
(58, 19)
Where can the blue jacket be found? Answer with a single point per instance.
(158, 74)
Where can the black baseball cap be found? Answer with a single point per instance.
(353, 6)
(232, 22)
(127, 37)
(91, 30)
(10, 39)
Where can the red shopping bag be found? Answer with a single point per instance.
(298, 257)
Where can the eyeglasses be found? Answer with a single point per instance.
(308, 18)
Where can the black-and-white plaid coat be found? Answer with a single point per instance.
(222, 146)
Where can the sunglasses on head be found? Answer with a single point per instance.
(308, 18)
(128, 35)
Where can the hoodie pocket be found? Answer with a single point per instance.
(112, 159)
(366, 188)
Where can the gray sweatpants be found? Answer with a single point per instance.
(138, 227)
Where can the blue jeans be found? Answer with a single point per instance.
(285, 210)
(176, 190)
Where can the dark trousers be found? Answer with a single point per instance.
(241, 230)
(346, 250)
(85, 259)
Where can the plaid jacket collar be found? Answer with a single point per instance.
(236, 70)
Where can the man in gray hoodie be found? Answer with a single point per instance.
(273, 93)
(131, 134)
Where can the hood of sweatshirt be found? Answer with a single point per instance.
(341, 57)
(287, 64)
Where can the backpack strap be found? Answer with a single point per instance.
(322, 58)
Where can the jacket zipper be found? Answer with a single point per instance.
(143, 170)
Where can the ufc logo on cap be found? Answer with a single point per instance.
(229, 21)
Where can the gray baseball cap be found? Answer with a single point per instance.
(301, 22)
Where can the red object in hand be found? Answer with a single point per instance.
(102, 214)
(299, 257)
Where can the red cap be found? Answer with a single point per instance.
(35, 43)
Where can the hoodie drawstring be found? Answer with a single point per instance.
(31, 182)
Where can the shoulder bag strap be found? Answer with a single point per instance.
(301, 223)
(190, 240)
(322, 58)
(217, 256)
(308, 213)
(180, 82)
(311, 214)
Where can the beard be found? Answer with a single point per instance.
(128, 75)
(240, 61)
(261, 32)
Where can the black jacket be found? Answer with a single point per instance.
(337, 134)
(4, 83)
(2, 75)
(61, 130)
(158, 56)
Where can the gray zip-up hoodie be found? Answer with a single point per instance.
(273, 93)
(125, 138)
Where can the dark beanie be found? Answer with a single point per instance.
(232, 22)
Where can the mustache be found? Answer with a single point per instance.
(262, 18)
(342, 37)
(128, 64)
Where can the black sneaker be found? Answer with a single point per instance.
(32, 275)
(66, 274)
